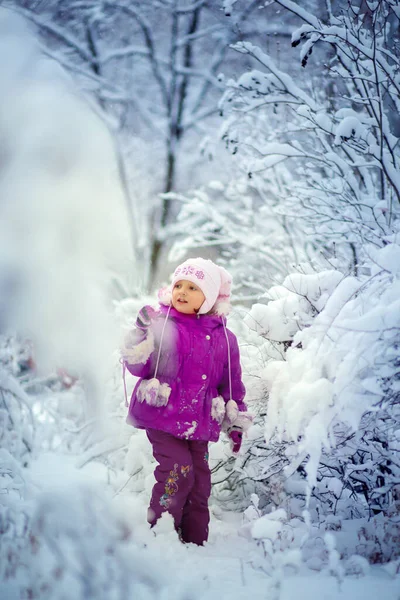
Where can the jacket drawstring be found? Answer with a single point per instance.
(123, 378)
(229, 359)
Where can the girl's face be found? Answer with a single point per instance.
(187, 297)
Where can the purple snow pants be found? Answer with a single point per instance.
(183, 484)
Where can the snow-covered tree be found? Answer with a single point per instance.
(332, 415)
(321, 168)
(344, 158)
(153, 68)
(17, 429)
(329, 339)
(218, 217)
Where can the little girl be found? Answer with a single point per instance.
(190, 386)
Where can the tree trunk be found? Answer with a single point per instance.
(178, 95)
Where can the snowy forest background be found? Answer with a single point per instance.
(264, 135)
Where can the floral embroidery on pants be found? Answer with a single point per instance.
(206, 457)
(171, 487)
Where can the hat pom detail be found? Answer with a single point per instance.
(222, 305)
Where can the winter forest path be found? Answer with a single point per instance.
(230, 566)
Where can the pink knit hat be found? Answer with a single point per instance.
(214, 281)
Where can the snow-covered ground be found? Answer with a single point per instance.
(230, 565)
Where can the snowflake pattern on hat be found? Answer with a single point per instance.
(189, 271)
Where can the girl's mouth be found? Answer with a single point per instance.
(182, 301)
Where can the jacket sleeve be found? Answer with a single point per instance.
(137, 352)
(238, 389)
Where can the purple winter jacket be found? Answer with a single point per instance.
(192, 371)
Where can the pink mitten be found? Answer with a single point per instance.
(235, 435)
